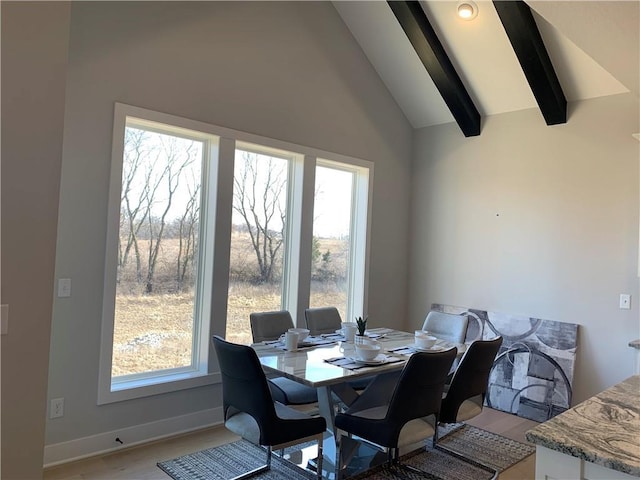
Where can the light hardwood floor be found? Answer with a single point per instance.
(139, 463)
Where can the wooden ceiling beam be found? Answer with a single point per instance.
(416, 26)
(527, 43)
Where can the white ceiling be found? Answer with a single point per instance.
(577, 36)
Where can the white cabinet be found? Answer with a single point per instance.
(552, 465)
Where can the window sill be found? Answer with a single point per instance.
(145, 387)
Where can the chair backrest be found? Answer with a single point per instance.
(322, 320)
(471, 378)
(267, 326)
(244, 385)
(446, 326)
(418, 392)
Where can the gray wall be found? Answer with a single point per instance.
(289, 71)
(34, 56)
(538, 221)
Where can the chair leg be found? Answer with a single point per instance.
(438, 446)
(320, 459)
(396, 468)
(257, 470)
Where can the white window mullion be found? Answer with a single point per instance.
(219, 273)
(359, 243)
(298, 273)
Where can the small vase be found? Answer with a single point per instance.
(360, 339)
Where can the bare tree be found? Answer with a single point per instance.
(134, 196)
(259, 197)
(178, 159)
(187, 235)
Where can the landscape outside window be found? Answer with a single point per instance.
(330, 261)
(258, 237)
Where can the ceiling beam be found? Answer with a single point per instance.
(525, 38)
(416, 26)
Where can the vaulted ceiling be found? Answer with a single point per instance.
(593, 46)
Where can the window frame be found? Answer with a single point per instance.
(218, 219)
(159, 381)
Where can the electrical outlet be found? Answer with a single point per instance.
(56, 408)
(625, 301)
(64, 287)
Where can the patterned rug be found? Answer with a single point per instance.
(494, 451)
(229, 460)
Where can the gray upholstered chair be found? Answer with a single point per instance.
(464, 397)
(249, 409)
(447, 326)
(322, 320)
(392, 418)
(266, 326)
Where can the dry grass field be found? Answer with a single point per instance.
(157, 333)
(154, 331)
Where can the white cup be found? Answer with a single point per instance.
(291, 341)
(424, 340)
(349, 330)
(367, 351)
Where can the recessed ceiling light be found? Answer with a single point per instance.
(467, 10)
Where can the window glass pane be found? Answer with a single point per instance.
(330, 262)
(257, 239)
(157, 252)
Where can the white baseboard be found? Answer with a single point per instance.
(63, 452)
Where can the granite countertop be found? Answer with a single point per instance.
(604, 429)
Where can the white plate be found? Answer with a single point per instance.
(435, 348)
(378, 360)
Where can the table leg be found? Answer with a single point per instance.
(329, 397)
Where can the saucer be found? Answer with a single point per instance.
(435, 348)
(378, 360)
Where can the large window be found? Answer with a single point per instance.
(158, 253)
(335, 248)
(258, 236)
(207, 225)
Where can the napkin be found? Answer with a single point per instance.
(351, 363)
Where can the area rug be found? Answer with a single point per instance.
(229, 460)
(495, 451)
(489, 449)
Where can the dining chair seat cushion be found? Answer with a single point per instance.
(412, 432)
(290, 392)
(468, 409)
(246, 426)
(360, 383)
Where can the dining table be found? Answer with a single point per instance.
(329, 363)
